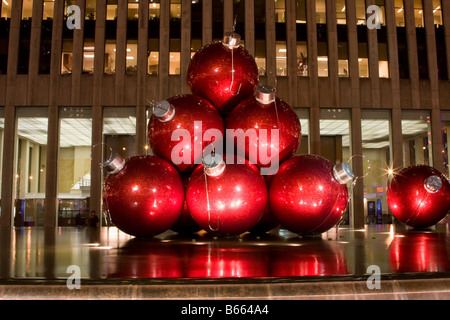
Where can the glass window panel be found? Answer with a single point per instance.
(153, 9)
(74, 163)
(281, 58)
(383, 60)
(321, 11)
(300, 14)
(280, 11)
(376, 145)
(382, 16)
(341, 12)
(111, 10)
(31, 155)
(110, 57)
(88, 56)
(119, 131)
(446, 140)
(153, 56)
(335, 144)
(416, 133)
(302, 58)
(360, 12)
(343, 59)
(437, 12)
(303, 116)
(6, 9)
(260, 56)
(27, 9)
(131, 63)
(133, 10)
(174, 55)
(399, 13)
(418, 13)
(322, 59)
(363, 60)
(66, 61)
(91, 10)
(175, 9)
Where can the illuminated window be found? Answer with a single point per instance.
(363, 61)
(66, 61)
(437, 12)
(418, 13)
(322, 50)
(47, 12)
(399, 13)
(382, 16)
(302, 59)
(260, 56)
(90, 11)
(360, 12)
(131, 57)
(153, 9)
(133, 10)
(111, 9)
(416, 133)
(88, 56)
(280, 11)
(175, 9)
(341, 12)
(110, 56)
(6, 9)
(281, 58)
(153, 56)
(383, 60)
(343, 59)
(27, 9)
(321, 11)
(174, 55)
(300, 13)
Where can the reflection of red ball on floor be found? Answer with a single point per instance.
(419, 196)
(305, 196)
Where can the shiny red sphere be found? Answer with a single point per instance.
(210, 75)
(237, 199)
(305, 197)
(268, 221)
(188, 110)
(253, 115)
(411, 203)
(146, 197)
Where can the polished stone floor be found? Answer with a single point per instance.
(106, 256)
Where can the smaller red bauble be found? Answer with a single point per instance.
(306, 195)
(176, 130)
(144, 194)
(224, 73)
(419, 196)
(226, 199)
(272, 126)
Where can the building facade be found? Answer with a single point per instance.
(76, 84)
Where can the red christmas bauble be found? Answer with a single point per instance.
(305, 196)
(419, 252)
(144, 195)
(261, 117)
(419, 196)
(185, 224)
(268, 221)
(227, 261)
(223, 74)
(184, 119)
(228, 199)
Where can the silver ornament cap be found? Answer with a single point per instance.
(114, 164)
(343, 173)
(432, 184)
(214, 165)
(231, 40)
(164, 111)
(265, 94)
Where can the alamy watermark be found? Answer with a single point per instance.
(74, 280)
(373, 17)
(374, 280)
(73, 21)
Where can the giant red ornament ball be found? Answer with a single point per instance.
(419, 196)
(263, 113)
(144, 194)
(305, 195)
(226, 199)
(224, 73)
(183, 112)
